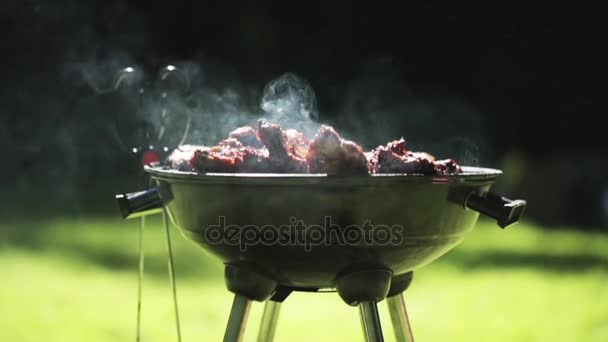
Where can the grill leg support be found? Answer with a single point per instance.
(370, 319)
(238, 319)
(401, 323)
(269, 321)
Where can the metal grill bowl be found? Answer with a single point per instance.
(424, 216)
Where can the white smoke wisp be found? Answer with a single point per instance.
(291, 101)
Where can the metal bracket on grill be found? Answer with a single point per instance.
(506, 211)
(142, 203)
(400, 283)
(368, 285)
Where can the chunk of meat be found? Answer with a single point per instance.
(447, 167)
(387, 161)
(247, 135)
(270, 149)
(421, 155)
(395, 158)
(266, 149)
(230, 156)
(229, 143)
(397, 147)
(329, 153)
(179, 159)
(272, 137)
(281, 157)
(297, 143)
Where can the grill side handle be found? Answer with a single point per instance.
(506, 211)
(141, 203)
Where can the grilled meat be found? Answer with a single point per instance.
(395, 158)
(297, 144)
(330, 153)
(270, 149)
(180, 158)
(282, 158)
(247, 135)
(231, 156)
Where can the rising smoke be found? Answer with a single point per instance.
(291, 101)
(377, 106)
(197, 104)
(193, 103)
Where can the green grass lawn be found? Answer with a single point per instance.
(75, 279)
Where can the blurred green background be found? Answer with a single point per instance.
(74, 278)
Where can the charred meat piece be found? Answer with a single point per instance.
(297, 143)
(229, 143)
(395, 158)
(397, 147)
(208, 161)
(245, 150)
(247, 135)
(290, 165)
(270, 149)
(280, 148)
(256, 160)
(421, 155)
(447, 167)
(272, 137)
(329, 153)
(230, 156)
(387, 161)
(180, 158)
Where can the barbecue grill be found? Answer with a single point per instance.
(247, 222)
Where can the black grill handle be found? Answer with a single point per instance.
(506, 211)
(141, 203)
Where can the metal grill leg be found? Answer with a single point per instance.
(237, 320)
(371, 322)
(401, 323)
(269, 321)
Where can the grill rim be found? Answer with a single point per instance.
(470, 175)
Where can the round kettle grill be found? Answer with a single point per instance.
(434, 213)
(240, 219)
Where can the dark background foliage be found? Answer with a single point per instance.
(491, 83)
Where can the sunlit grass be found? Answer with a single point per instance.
(75, 279)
